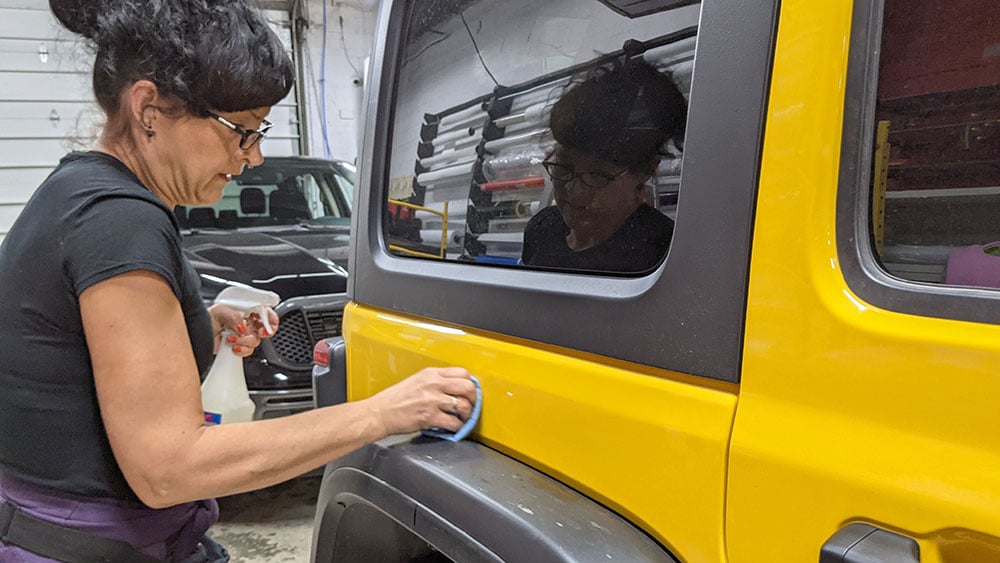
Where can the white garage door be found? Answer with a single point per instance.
(47, 107)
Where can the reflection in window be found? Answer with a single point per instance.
(936, 194)
(609, 132)
(472, 134)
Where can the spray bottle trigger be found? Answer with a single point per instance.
(265, 320)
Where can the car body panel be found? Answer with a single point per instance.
(649, 443)
(625, 435)
(845, 413)
(848, 412)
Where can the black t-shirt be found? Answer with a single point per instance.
(637, 246)
(90, 220)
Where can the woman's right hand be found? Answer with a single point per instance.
(432, 397)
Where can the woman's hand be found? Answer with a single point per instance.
(432, 397)
(247, 332)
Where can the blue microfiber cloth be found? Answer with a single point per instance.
(462, 432)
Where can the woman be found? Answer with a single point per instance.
(103, 452)
(609, 131)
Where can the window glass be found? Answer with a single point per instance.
(540, 134)
(278, 194)
(344, 177)
(935, 208)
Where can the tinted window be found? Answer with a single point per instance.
(551, 140)
(936, 189)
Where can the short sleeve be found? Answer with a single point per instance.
(530, 240)
(115, 234)
(538, 232)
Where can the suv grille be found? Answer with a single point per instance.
(298, 332)
(324, 324)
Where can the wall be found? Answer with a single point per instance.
(350, 26)
(45, 101)
(47, 106)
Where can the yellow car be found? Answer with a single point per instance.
(806, 369)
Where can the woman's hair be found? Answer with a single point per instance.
(623, 114)
(212, 55)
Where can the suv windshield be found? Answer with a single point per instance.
(279, 192)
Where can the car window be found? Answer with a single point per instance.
(430, 78)
(345, 176)
(936, 172)
(555, 145)
(349, 173)
(274, 196)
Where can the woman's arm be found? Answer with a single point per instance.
(150, 400)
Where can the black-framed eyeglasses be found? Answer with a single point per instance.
(247, 138)
(592, 179)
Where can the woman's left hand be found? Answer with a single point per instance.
(247, 332)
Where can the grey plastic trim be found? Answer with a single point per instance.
(472, 504)
(309, 303)
(854, 246)
(688, 315)
(281, 400)
(329, 383)
(864, 543)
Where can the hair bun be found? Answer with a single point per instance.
(78, 16)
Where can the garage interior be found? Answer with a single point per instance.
(47, 109)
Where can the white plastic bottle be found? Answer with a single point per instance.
(224, 395)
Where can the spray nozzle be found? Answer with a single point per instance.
(249, 300)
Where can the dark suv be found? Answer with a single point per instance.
(283, 226)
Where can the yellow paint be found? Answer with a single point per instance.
(848, 412)
(845, 412)
(651, 448)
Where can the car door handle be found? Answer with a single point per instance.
(863, 543)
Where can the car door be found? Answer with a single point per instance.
(867, 423)
(622, 387)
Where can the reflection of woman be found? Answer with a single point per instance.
(104, 455)
(610, 130)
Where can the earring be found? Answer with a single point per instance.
(150, 133)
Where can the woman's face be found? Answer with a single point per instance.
(588, 207)
(201, 154)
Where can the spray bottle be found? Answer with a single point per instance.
(224, 394)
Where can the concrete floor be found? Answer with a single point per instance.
(273, 525)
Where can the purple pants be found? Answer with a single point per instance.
(168, 533)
